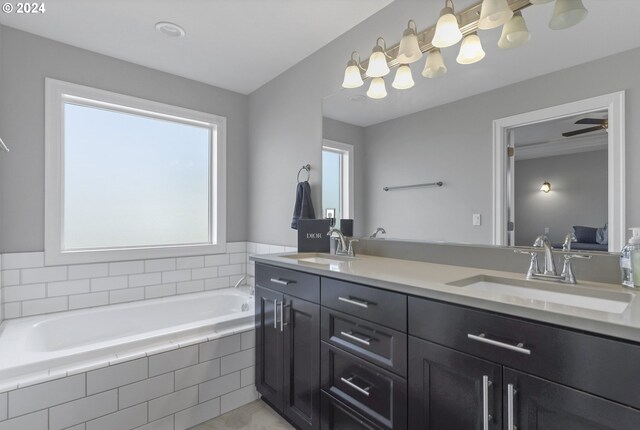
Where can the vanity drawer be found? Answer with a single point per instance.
(338, 416)
(297, 284)
(376, 393)
(591, 363)
(380, 345)
(372, 304)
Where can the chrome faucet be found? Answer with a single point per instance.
(550, 274)
(549, 263)
(375, 233)
(345, 244)
(252, 290)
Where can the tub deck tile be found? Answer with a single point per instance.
(36, 421)
(82, 410)
(146, 390)
(125, 419)
(116, 376)
(173, 360)
(172, 403)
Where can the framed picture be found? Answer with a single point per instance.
(330, 213)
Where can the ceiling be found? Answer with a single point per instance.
(611, 27)
(263, 37)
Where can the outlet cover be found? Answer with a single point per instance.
(477, 219)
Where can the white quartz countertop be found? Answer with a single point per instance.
(435, 281)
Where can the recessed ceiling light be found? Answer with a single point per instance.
(170, 29)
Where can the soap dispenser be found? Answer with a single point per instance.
(630, 260)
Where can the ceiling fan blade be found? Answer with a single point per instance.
(583, 131)
(591, 121)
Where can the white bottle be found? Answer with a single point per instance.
(626, 258)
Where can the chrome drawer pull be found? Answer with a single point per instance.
(485, 402)
(364, 390)
(510, 394)
(351, 336)
(281, 281)
(351, 301)
(484, 339)
(281, 316)
(275, 314)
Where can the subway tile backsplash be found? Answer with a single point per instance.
(29, 288)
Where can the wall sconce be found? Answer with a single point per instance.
(546, 187)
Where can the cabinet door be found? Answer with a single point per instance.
(338, 416)
(302, 362)
(269, 362)
(538, 404)
(450, 390)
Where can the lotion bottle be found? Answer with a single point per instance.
(630, 260)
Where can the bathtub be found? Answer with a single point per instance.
(45, 347)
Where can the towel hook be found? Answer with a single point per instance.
(306, 167)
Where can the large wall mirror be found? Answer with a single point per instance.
(499, 167)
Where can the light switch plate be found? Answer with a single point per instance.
(477, 219)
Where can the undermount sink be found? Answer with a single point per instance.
(546, 295)
(319, 258)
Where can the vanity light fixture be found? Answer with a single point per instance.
(378, 66)
(403, 79)
(546, 187)
(377, 89)
(352, 76)
(567, 13)
(494, 13)
(471, 50)
(170, 29)
(447, 29)
(434, 66)
(409, 49)
(514, 33)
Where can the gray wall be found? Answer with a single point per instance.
(26, 61)
(459, 151)
(578, 195)
(353, 135)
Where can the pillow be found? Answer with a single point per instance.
(602, 235)
(585, 234)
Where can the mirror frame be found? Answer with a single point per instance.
(614, 103)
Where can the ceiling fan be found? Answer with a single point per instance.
(602, 124)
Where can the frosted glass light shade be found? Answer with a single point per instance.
(434, 67)
(494, 13)
(447, 30)
(567, 13)
(409, 49)
(546, 187)
(514, 33)
(471, 50)
(377, 89)
(403, 79)
(352, 77)
(378, 66)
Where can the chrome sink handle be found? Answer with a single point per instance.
(534, 269)
(567, 271)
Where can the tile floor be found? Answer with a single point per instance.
(254, 416)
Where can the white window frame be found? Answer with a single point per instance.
(346, 150)
(56, 94)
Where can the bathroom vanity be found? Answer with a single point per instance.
(378, 343)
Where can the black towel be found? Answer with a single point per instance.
(304, 207)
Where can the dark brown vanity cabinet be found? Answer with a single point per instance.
(471, 369)
(288, 344)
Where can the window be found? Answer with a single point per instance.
(129, 178)
(337, 179)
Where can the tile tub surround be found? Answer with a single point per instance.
(172, 390)
(29, 288)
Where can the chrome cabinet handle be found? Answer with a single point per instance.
(281, 316)
(281, 281)
(275, 314)
(364, 390)
(485, 402)
(510, 395)
(351, 336)
(484, 339)
(361, 303)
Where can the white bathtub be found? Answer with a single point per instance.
(45, 347)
